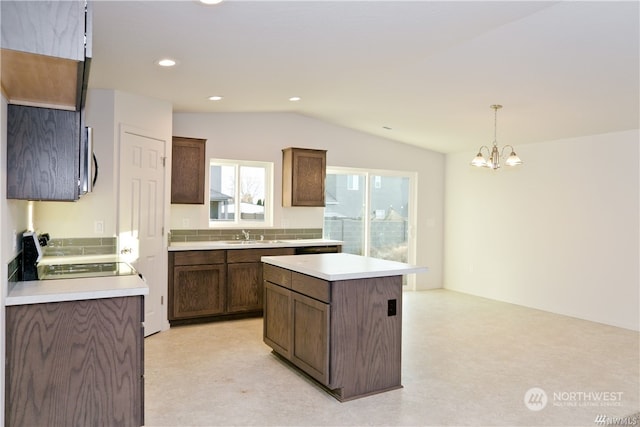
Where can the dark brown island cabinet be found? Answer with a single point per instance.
(344, 333)
(75, 363)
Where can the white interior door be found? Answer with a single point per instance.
(141, 217)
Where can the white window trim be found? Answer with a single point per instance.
(268, 195)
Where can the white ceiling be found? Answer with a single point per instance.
(429, 70)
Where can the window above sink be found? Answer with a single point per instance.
(240, 193)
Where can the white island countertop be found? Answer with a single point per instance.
(58, 290)
(342, 266)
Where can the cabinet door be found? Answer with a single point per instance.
(277, 325)
(50, 28)
(187, 170)
(43, 153)
(303, 177)
(45, 60)
(75, 363)
(244, 290)
(310, 352)
(198, 290)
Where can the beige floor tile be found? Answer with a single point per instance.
(466, 361)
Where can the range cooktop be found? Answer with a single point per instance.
(76, 271)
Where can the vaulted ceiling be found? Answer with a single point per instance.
(419, 72)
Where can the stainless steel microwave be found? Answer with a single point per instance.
(88, 163)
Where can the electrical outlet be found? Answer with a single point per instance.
(186, 222)
(98, 227)
(391, 307)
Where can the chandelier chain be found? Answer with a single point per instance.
(495, 107)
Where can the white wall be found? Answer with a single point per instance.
(106, 112)
(559, 234)
(77, 219)
(262, 136)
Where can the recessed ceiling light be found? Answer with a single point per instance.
(215, 98)
(295, 98)
(167, 62)
(210, 1)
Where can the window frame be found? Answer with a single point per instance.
(268, 201)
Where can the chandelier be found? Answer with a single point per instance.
(493, 161)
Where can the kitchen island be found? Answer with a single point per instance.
(337, 318)
(75, 352)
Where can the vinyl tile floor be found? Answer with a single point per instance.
(466, 361)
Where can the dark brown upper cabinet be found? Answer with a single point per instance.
(303, 175)
(46, 52)
(43, 153)
(187, 170)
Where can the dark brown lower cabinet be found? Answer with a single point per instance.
(199, 290)
(75, 363)
(214, 284)
(244, 292)
(197, 284)
(345, 334)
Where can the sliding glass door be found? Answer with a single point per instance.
(370, 212)
(389, 221)
(344, 212)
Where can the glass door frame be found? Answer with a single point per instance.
(411, 214)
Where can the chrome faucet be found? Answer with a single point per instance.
(245, 234)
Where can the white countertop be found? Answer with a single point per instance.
(41, 291)
(198, 246)
(342, 266)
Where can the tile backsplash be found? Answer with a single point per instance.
(233, 234)
(108, 245)
(80, 246)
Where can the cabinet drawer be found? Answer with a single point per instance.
(198, 257)
(254, 255)
(310, 286)
(277, 275)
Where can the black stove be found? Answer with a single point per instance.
(83, 270)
